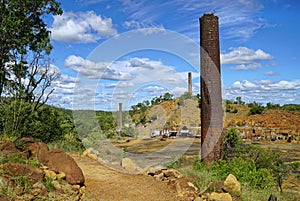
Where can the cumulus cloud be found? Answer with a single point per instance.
(154, 89)
(123, 80)
(251, 66)
(141, 63)
(93, 70)
(120, 85)
(244, 55)
(146, 29)
(271, 73)
(177, 91)
(82, 27)
(265, 91)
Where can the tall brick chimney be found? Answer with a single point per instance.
(211, 95)
(190, 89)
(120, 118)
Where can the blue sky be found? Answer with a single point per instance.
(99, 67)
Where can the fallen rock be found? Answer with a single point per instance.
(219, 197)
(232, 186)
(36, 149)
(27, 140)
(50, 173)
(153, 170)
(61, 175)
(61, 162)
(8, 146)
(217, 186)
(172, 173)
(3, 199)
(176, 181)
(185, 188)
(90, 153)
(15, 169)
(129, 165)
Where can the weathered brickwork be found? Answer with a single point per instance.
(211, 96)
(190, 90)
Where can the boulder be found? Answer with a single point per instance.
(153, 170)
(8, 147)
(62, 162)
(129, 165)
(15, 169)
(61, 175)
(217, 186)
(231, 185)
(220, 197)
(176, 181)
(90, 153)
(3, 199)
(185, 188)
(172, 173)
(50, 173)
(36, 149)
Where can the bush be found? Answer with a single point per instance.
(291, 107)
(255, 108)
(257, 167)
(231, 141)
(246, 171)
(21, 120)
(129, 132)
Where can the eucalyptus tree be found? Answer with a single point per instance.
(24, 48)
(25, 70)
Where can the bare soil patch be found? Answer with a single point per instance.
(105, 184)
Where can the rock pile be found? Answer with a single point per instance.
(176, 181)
(57, 178)
(229, 190)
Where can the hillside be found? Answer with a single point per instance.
(174, 116)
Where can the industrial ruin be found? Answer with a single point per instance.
(211, 96)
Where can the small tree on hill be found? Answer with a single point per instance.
(255, 108)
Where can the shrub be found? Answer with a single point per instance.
(255, 108)
(230, 142)
(246, 171)
(235, 111)
(21, 120)
(47, 181)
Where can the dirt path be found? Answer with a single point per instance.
(104, 184)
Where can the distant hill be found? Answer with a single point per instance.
(173, 116)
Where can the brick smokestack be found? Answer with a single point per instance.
(190, 89)
(120, 117)
(211, 95)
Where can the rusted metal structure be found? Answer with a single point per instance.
(211, 95)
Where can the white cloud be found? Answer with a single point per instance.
(146, 29)
(92, 70)
(134, 79)
(82, 27)
(141, 63)
(245, 85)
(265, 91)
(271, 73)
(251, 66)
(244, 55)
(286, 85)
(154, 89)
(120, 85)
(177, 91)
